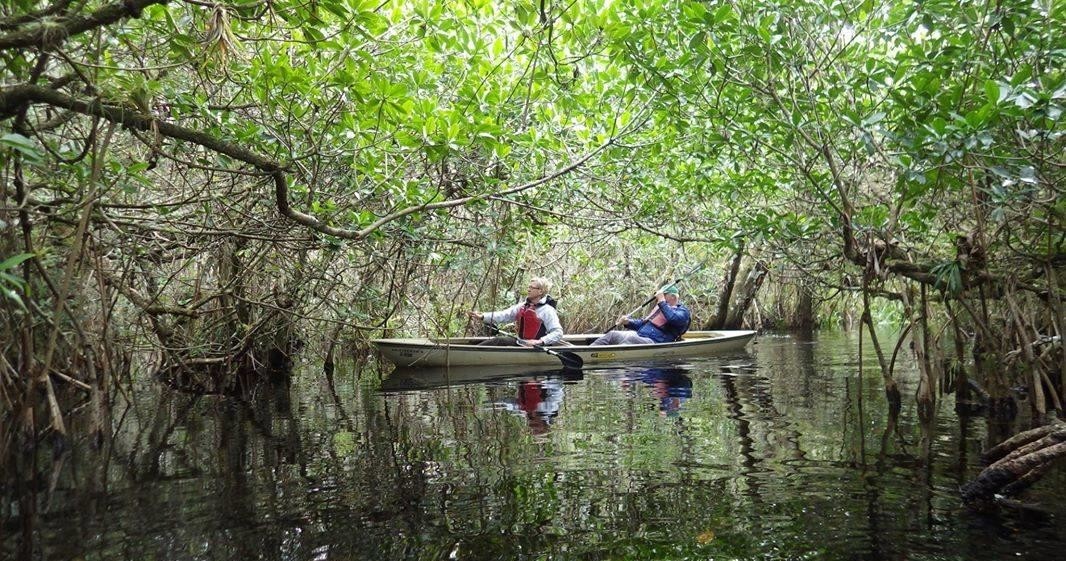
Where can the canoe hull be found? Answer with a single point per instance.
(465, 352)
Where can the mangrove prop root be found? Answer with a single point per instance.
(1023, 460)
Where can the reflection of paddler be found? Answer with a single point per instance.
(540, 401)
(530, 395)
(671, 386)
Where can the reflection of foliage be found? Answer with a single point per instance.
(756, 462)
(367, 168)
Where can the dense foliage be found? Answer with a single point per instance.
(190, 187)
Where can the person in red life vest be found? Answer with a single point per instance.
(665, 324)
(535, 318)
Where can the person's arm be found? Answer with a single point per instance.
(678, 316)
(551, 323)
(499, 316)
(503, 316)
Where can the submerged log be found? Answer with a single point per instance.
(1017, 463)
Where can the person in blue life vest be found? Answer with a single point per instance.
(671, 385)
(536, 321)
(666, 323)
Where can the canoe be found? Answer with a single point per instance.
(464, 351)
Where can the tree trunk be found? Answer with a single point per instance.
(956, 371)
(892, 393)
(803, 317)
(726, 293)
(921, 345)
(748, 290)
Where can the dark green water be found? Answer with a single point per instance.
(773, 453)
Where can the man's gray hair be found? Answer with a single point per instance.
(544, 283)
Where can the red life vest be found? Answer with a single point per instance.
(528, 324)
(657, 318)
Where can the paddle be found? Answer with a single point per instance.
(652, 299)
(571, 361)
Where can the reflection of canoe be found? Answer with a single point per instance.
(414, 378)
(459, 351)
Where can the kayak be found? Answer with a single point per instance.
(464, 351)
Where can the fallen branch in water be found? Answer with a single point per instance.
(1017, 463)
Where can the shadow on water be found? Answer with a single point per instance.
(410, 379)
(763, 454)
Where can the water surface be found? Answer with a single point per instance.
(777, 452)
